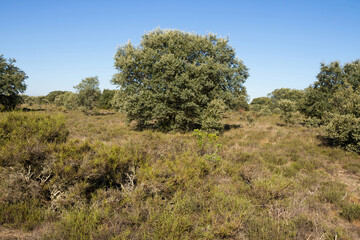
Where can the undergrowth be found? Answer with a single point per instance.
(92, 177)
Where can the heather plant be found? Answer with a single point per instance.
(105, 181)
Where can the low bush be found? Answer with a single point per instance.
(343, 131)
(25, 215)
(350, 211)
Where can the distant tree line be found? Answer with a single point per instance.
(332, 102)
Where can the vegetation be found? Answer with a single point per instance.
(52, 95)
(76, 176)
(173, 76)
(88, 92)
(268, 171)
(331, 79)
(12, 83)
(105, 99)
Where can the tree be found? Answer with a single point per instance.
(172, 77)
(286, 93)
(335, 100)
(52, 95)
(11, 84)
(88, 92)
(332, 78)
(105, 98)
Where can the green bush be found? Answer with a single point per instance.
(312, 122)
(343, 131)
(261, 102)
(289, 113)
(212, 116)
(27, 140)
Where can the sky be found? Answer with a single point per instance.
(59, 43)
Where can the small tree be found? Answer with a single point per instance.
(172, 77)
(105, 98)
(88, 92)
(11, 84)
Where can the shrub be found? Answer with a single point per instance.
(289, 113)
(212, 116)
(27, 140)
(24, 126)
(350, 211)
(265, 111)
(343, 131)
(312, 122)
(332, 192)
(261, 102)
(77, 224)
(26, 215)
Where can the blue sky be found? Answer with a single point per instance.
(58, 43)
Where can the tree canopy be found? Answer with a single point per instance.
(88, 92)
(12, 83)
(332, 78)
(172, 77)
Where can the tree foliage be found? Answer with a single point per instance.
(172, 77)
(88, 92)
(12, 83)
(331, 79)
(294, 95)
(52, 95)
(105, 98)
(335, 99)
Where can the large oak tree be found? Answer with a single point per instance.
(173, 78)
